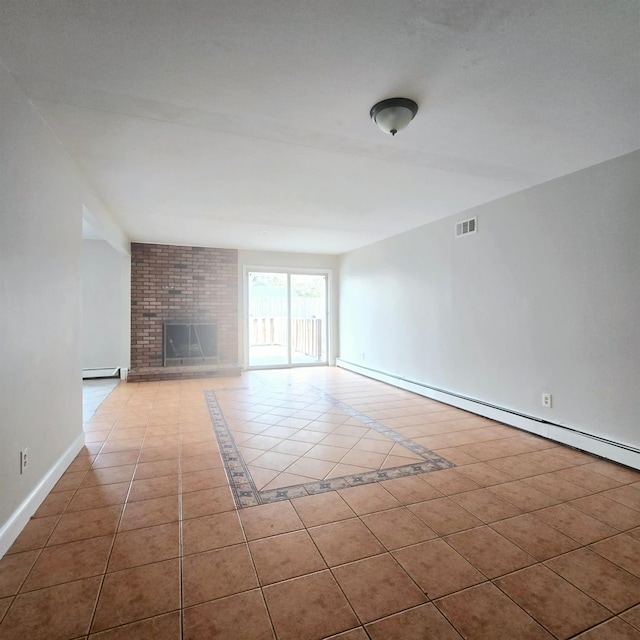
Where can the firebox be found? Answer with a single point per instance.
(190, 344)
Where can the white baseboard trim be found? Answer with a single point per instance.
(102, 372)
(571, 437)
(11, 529)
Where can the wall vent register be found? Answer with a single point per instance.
(190, 344)
(465, 227)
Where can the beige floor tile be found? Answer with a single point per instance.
(444, 516)
(311, 468)
(163, 627)
(485, 613)
(368, 459)
(628, 495)
(325, 452)
(108, 475)
(484, 475)
(411, 489)
(216, 574)
(450, 481)
(138, 593)
(624, 550)
(269, 520)
(613, 470)
(376, 446)
(437, 568)
(632, 616)
(292, 447)
(274, 461)
(368, 498)
(398, 528)
(591, 480)
(611, 629)
(535, 536)
(342, 470)
(14, 568)
(523, 495)
(285, 556)
(145, 546)
(322, 508)
(206, 502)
(489, 552)
(262, 477)
(239, 617)
(100, 496)
(89, 523)
(287, 479)
(180, 512)
(148, 513)
(35, 534)
(345, 541)
(54, 504)
(62, 611)
(601, 579)
(377, 587)
(71, 561)
(486, 505)
(315, 595)
(575, 523)
(555, 603)
(557, 486)
(610, 512)
(413, 625)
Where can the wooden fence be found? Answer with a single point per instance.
(306, 334)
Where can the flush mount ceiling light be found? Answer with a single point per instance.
(393, 114)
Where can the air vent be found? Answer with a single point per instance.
(465, 227)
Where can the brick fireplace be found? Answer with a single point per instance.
(190, 285)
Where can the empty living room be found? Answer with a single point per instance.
(319, 320)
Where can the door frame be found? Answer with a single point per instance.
(328, 273)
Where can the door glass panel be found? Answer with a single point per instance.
(268, 319)
(308, 319)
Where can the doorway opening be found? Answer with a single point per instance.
(287, 318)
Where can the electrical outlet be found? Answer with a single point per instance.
(546, 400)
(24, 459)
(363, 355)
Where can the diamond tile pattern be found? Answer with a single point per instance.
(312, 504)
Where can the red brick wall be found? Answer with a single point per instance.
(182, 284)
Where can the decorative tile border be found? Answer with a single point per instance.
(244, 489)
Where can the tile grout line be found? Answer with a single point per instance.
(487, 524)
(45, 546)
(260, 587)
(117, 528)
(220, 423)
(180, 528)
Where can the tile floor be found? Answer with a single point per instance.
(141, 537)
(94, 392)
(289, 439)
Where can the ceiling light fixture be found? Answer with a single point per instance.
(393, 114)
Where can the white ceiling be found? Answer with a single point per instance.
(246, 124)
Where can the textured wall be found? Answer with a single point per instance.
(181, 284)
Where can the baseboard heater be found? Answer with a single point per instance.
(609, 449)
(106, 372)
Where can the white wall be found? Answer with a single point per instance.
(106, 300)
(309, 261)
(41, 202)
(544, 298)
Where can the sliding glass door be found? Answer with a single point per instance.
(287, 318)
(308, 318)
(268, 319)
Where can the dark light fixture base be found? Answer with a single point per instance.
(406, 105)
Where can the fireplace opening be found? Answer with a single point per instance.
(190, 344)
